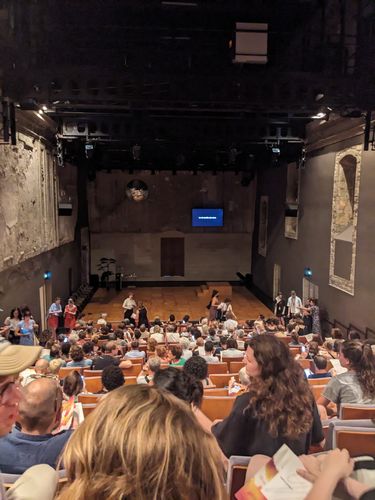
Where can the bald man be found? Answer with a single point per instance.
(41, 368)
(39, 415)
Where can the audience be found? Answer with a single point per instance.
(277, 408)
(197, 368)
(209, 349)
(112, 378)
(148, 370)
(78, 360)
(181, 384)
(39, 416)
(321, 364)
(108, 357)
(134, 351)
(107, 456)
(176, 358)
(232, 350)
(72, 385)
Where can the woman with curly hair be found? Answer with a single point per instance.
(277, 408)
(143, 444)
(357, 385)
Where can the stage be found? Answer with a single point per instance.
(177, 300)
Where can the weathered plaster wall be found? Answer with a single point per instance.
(131, 232)
(29, 194)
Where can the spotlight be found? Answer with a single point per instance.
(44, 108)
(307, 272)
(47, 275)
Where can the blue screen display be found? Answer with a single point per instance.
(207, 217)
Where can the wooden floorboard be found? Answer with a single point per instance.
(163, 301)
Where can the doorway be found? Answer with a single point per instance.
(45, 299)
(172, 257)
(309, 290)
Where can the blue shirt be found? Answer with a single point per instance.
(135, 354)
(80, 364)
(27, 332)
(19, 451)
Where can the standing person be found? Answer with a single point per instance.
(213, 305)
(129, 307)
(25, 330)
(70, 313)
(10, 324)
(280, 307)
(294, 304)
(142, 315)
(54, 312)
(314, 312)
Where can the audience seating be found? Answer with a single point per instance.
(306, 363)
(336, 425)
(222, 379)
(236, 474)
(133, 371)
(92, 373)
(357, 441)
(230, 359)
(357, 411)
(130, 380)
(285, 340)
(317, 390)
(136, 361)
(93, 384)
(217, 368)
(216, 392)
(294, 351)
(88, 398)
(88, 408)
(319, 381)
(67, 370)
(235, 366)
(217, 407)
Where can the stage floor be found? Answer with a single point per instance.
(163, 301)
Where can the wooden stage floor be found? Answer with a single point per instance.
(163, 301)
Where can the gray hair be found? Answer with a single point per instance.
(154, 363)
(184, 342)
(243, 376)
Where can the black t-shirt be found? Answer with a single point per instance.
(100, 362)
(243, 434)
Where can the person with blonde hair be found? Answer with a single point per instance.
(131, 447)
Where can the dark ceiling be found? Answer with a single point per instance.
(160, 75)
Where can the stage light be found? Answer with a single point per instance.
(47, 275)
(44, 108)
(307, 272)
(319, 116)
(40, 112)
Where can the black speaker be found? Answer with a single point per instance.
(65, 209)
(94, 280)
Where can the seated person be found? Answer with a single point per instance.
(357, 385)
(175, 356)
(138, 336)
(112, 378)
(134, 351)
(41, 369)
(148, 370)
(172, 335)
(72, 385)
(109, 358)
(196, 367)
(179, 383)
(321, 371)
(232, 351)
(186, 352)
(162, 353)
(235, 388)
(39, 415)
(78, 360)
(222, 347)
(277, 408)
(209, 349)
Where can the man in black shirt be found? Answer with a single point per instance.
(109, 358)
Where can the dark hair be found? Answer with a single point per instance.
(172, 317)
(197, 367)
(186, 318)
(119, 333)
(176, 350)
(13, 311)
(65, 348)
(179, 383)
(212, 332)
(76, 353)
(209, 346)
(88, 347)
(353, 335)
(295, 338)
(110, 346)
(320, 362)
(73, 384)
(112, 377)
(214, 293)
(313, 348)
(82, 335)
(280, 395)
(134, 344)
(361, 360)
(112, 337)
(232, 344)
(137, 334)
(54, 351)
(196, 332)
(223, 341)
(336, 334)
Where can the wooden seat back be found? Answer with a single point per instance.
(130, 380)
(222, 379)
(319, 381)
(317, 390)
(236, 366)
(217, 368)
(216, 392)
(93, 384)
(67, 370)
(88, 408)
(356, 442)
(217, 407)
(88, 398)
(133, 371)
(92, 373)
(357, 412)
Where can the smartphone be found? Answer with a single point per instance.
(308, 372)
(303, 348)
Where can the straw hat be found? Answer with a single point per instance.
(15, 358)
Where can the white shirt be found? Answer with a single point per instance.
(230, 324)
(129, 304)
(233, 353)
(294, 304)
(186, 354)
(173, 337)
(159, 337)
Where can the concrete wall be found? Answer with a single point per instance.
(130, 232)
(312, 248)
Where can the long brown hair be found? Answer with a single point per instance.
(362, 361)
(280, 396)
(142, 443)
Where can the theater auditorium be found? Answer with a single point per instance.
(187, 261)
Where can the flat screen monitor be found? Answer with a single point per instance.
(207, 217)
